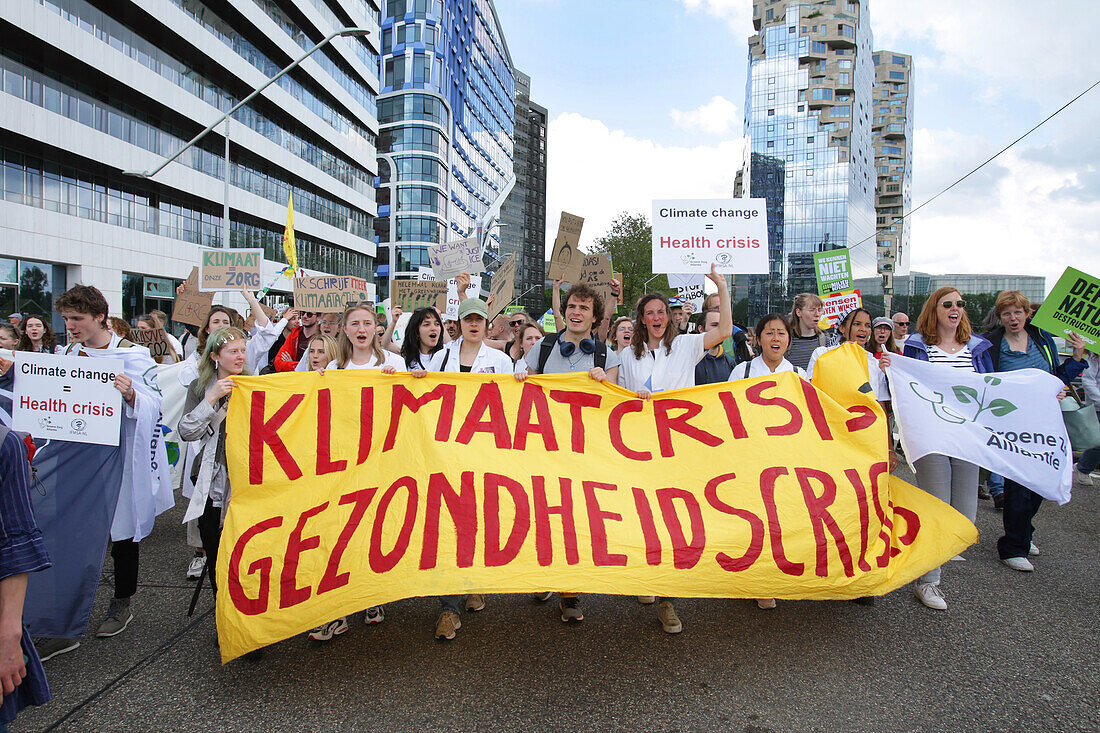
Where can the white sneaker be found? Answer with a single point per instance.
(194, 570)
(1033, 551)
(765, 603)
(374, 615)
(1081, 480)
(929, 594)
(1018, 563)
(646, 600)
(329, 630)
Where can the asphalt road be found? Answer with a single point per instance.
(1013, 652)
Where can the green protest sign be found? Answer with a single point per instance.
(1073, 305)
(834, 271)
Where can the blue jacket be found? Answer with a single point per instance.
(915, 348)
(1067, 371)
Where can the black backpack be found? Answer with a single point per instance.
(548, 344)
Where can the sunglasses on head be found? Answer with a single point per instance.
(957, 303)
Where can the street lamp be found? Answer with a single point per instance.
(645, 285)
(353, 32)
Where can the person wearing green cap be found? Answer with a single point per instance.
(470, 353)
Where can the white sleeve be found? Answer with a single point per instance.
(521, 366)
(260, 342)
(1090, 379)
(877, 379)
(813, 360)
(395, 361)
(738, 372)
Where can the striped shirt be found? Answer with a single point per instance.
(961, 359)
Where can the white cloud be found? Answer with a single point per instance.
(599, 173)
(718, 116)
(736, 13)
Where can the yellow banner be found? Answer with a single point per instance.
(290, 248)
(354, 488)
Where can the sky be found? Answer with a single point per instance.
(646, 100)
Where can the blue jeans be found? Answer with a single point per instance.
(996, 484)
(451, 603)
(1021, 505)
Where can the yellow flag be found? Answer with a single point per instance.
(289, 248)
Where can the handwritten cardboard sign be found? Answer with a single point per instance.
(229, 269)
(192, 305)
(413, 294)
(565, 261)
(449, 259)
(451, 309)
(504, 286)
(596, 273)
(692, 288)
(154, 339)
(329, 293)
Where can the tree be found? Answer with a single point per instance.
(629, 244)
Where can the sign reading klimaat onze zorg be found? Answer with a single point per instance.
(689, 235)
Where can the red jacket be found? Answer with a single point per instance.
(286, 360)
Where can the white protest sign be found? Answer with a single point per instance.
(398, 336)
(837, 305)
(454, 258)
(68, 398)
(690, 288)
(692, 234)
(473, 291)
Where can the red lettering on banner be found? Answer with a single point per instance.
(685, 554)
(544, 545)
(666, 424)
(649, 528)
(615, 429)
(733, 415)
(817, 412)
(402, 399)
(462, 506)
(381, 562)
(864, 516)
(495, 554)
(596, 517)
(266, 432)
(244, 604)
(912, 525)
(756, 527)
(488, 400)
(754, 394)
(289, 592)
(865, 418)
(325, 464)
(768, 477)
(532, 402)
(366, 424)
(576, 401)
(333, 578)
(886, 530)
(822, 520)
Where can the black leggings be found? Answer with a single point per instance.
(125, 555)
(210, 530)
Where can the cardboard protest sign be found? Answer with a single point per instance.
(154, 339)
(596, 273)
(229, 269)
(833, 270)
(619, 277)
(565, 257)
(451, 305)
(329, 293)
(515, 489)
(413, 294)
(691, 288)
(1073, 305)
(68, 398)
(503, 286)
(449, 259)
(249, 322)
(191, 305)
(836, 305)
(691, 235)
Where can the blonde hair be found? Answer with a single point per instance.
(344, 349)
(927, 320)
(1009, 298)
(331, 348)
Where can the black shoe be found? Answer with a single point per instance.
(999, 501)
(865, 601)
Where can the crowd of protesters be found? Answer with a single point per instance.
(659, 345)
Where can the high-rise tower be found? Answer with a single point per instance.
(893, 140)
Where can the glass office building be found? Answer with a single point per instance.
(446, 122)
(92, 90)
(808, 145)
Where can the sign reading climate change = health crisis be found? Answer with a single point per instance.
(67, 398)
(692, 234)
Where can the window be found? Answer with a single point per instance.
(810, 140)
(843, 110)
(844, 64)
(771, 96)
(771, 79)
(818, 47)
(771, 128)
(845, 77)
(822, 93)
(897, 74)
(771, 143)
(899, 61)
(771, 113)
(790, 125)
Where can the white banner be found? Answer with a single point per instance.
(690, 235)
(1008, 422)
(67, 398)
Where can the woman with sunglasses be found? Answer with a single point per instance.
(1016, 344)
(944, 336)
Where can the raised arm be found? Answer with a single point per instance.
(725, 312)
(387, 337)
(254, 305)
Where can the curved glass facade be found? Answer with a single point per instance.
(447, 115)
(808, 151)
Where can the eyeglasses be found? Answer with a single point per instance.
(899, 324)
(307, 314)
(956, 303)
(513, 324)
